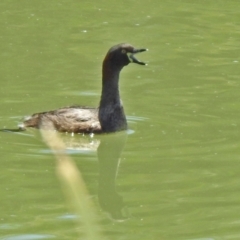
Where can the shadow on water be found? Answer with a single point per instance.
(109, 148)
(109, 153)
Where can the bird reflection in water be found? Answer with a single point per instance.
(109, 153)
(109, 148)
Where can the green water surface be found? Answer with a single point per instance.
(178, 175)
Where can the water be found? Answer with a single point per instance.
(178, 175)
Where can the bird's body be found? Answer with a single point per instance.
(75, 119)
(109, 116)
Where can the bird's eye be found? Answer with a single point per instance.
(124, 51)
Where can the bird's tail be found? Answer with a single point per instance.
(21, 127)
(11, 130)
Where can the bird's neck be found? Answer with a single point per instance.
(110, 88)
(111, 113)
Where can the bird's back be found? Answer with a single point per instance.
(68, 119)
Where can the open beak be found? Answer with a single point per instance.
(133, 59)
